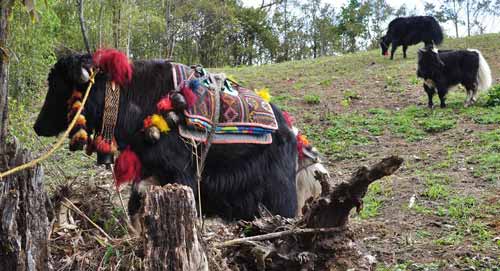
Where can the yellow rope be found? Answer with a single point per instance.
(61, 139)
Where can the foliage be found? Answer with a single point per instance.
(494, 96)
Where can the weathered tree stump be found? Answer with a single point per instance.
(24, 225)
(171, 237)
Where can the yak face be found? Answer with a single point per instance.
(384, 45)
(69, 73)
(429, 62)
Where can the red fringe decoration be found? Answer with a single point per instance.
(188, 95)
(127, 167)
(288, 118)
(164, 104)
(115, 63)
(105, 146)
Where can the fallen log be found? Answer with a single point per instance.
(171, 236)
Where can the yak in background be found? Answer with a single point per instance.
(442, 69)
(408, 31)
(237, 178)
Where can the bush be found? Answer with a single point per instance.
(494, 96)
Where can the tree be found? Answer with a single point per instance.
(380, 11)
(353, 23)
(449, 10)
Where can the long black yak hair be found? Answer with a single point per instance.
(237, 177)
(408, 31)
(442, 69)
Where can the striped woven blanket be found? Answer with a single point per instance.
(244, 117)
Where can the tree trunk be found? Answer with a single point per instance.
(171, 234)
(24, 225)
(4, 72)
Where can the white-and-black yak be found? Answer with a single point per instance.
(408, 31)
(442, 69)
(237, 177)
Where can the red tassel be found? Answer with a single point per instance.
(105, 146)
(115, 63)
(288, 118)
(164, 104)
(188, 95)
(127, 167)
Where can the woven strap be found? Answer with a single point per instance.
(111, 106)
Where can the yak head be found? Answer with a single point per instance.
(384, 45)
(429, 62)
(69, 73)
(72, 73)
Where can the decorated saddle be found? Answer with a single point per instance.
(244, 116)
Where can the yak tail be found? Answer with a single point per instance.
(437, 33)
(484, 73)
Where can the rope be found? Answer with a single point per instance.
(61, 139)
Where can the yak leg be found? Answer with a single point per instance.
(468, 99)
(430, 94)
(405, 47)
(393, 48)
(442, 94)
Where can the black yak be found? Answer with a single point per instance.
(237, 178)
(446, 68)
(408, 31)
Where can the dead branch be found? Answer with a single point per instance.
(333, 210)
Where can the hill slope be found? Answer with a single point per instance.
(359, 108)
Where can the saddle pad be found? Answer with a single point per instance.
(244, 116)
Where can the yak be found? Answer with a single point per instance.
(408, 31)
(442, 69)
(237, 178)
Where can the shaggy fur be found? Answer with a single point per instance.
(408, 31)
(237, 177)
(446, 68)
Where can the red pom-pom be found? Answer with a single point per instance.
(288, 118)
(148, 122)
(165, 104)
(188, 95)
(115, 63)
(127, 167)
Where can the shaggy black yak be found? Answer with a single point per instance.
(237, 177)
(446, 68)
(409, 31)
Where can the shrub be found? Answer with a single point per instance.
(494, 96)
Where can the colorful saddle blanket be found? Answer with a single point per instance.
(244, 117)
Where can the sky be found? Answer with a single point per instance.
(492, 23)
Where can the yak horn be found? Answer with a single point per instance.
(85, 76)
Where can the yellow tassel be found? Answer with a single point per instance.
(264, 94)
(159, 121)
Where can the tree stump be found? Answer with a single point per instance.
(24, 225)
(171, 240)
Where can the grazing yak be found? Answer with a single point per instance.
(442, 69)
(408, 31)
(237, 177)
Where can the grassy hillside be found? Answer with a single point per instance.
(359, 108)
